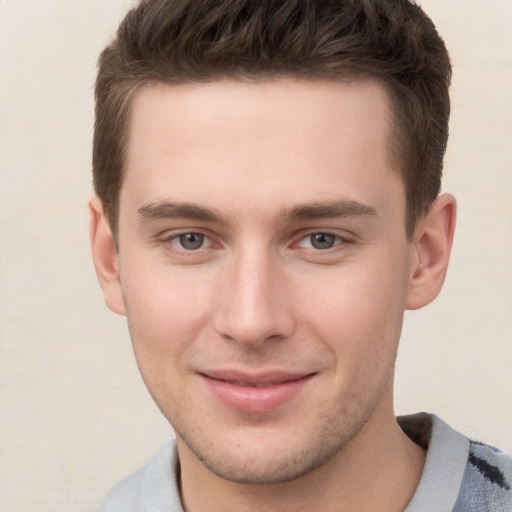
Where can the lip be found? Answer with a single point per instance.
(255, 393)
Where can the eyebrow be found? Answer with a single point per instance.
(308, 211)
(167, 210)
(336, 209)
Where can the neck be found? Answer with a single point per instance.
(363, 476)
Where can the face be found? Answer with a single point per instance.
(264, 268)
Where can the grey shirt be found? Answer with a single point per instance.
(459, 475)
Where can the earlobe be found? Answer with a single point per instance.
(432, 245)
(106, 261)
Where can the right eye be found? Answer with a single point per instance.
(186, 242)
(191, 241)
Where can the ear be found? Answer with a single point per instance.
(432, 244)
(106, 260)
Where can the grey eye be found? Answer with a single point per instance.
(322, 240)
(191, 241)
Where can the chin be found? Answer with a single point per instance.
(266, 458)
(261, 469)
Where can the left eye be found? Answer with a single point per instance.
(191, 241)
(320, 241)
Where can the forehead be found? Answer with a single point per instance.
(235, 108)
(298, 140)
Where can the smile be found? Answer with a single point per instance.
(255, 394)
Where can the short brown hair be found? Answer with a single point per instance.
(178, 41)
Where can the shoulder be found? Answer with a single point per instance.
(460, 475)
(487, 480)
(152, 487)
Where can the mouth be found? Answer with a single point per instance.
(255, 393)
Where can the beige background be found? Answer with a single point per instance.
(75, 416)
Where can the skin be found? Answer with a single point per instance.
(253, 170)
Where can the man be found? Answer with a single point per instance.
(267, 178)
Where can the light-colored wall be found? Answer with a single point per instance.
(75, 416)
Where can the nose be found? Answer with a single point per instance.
(252, 300)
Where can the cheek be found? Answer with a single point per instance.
(162, 327)
(355, 296)
(358, 310)
(165, 311)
